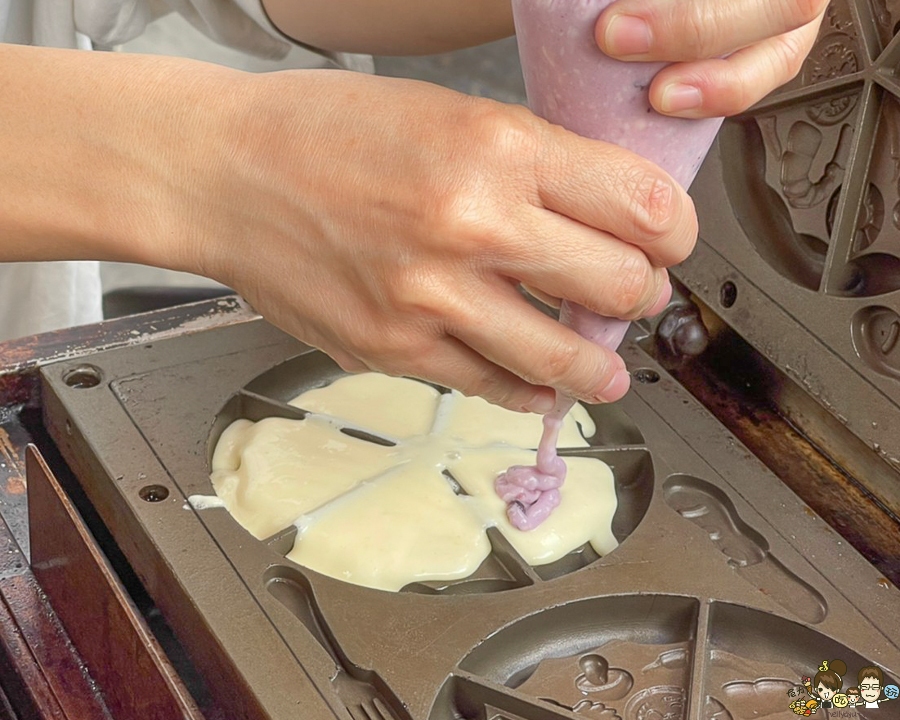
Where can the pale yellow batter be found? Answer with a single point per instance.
(585, 512)
(478, 423)
(271, 472)
(383, 405)
(385, 517)
(406, 527)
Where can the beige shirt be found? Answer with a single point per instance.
(38, 297)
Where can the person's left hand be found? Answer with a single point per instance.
(763, 43)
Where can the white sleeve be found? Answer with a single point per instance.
(240, 24)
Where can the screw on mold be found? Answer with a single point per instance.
(727, 294)
(83, 376)
(681, 332)
(153, 493)
(646, 376)
(746, 550)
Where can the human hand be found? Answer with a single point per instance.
(388, 222)
(765, 41)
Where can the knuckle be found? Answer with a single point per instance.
(560, 362)
(655, 203)
(789, 54)
(415, 292)
(688, 240)
(808, 10)
(698, 40)
(505, 132)
(463, 224)
(427, 303)
(632, 285)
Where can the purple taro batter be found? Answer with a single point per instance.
(570, 82)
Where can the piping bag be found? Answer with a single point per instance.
(572, 83)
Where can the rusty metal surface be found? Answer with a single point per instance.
(738, 388)
(41, 672)
(19, 357)
(44, 665)
(19, 391)
(137, 679)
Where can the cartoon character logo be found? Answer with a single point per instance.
(872, 690)
(824, 690)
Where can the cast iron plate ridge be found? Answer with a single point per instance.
(722, 593)
(801, 198)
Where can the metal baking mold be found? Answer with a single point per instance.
(723, 590)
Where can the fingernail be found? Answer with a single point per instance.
(678, 97)
(617, 387)
(542, 403)
(628, 35)
(663, 300)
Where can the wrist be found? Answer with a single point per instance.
(102, 152)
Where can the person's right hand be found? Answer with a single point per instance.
(388, 222)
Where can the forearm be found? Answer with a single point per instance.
(94, 147)
(392, 27)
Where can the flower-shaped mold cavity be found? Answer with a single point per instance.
(817, 204)
(627, 656)
(616, 441)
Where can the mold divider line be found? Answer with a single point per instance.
(867, 30)
(890, 55)
(696, 695)
(791, 97)
(853, 191)
(273, 403)
(509, 557)
(888, 81)
(597, 450)
(488, 692)
(300, 414)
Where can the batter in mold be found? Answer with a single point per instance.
(271, 472)
(387, 516)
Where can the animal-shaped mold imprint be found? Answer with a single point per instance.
(747, 550)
